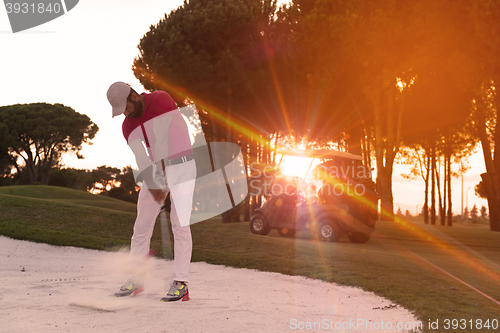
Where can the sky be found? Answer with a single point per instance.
(73, 59)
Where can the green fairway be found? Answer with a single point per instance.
(67, 195)
(438, 272)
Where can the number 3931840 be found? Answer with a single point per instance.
(26, 14)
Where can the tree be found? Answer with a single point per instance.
(38, 134)
(480, 191)
(127, 189)
(435, 102)
(108, 180)
(445, 138)
(316, 85)
(349, 57)
(127, 180)
(368, 74)
(70, 177)
(416, 157)
(381, 47)
(105, 177)
(213, 53)
(5, 161)
(485, 118)
(473, 213)
(481, 73)
(484, 215)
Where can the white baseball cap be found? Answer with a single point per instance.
(117, 97)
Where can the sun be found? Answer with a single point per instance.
(295, 166)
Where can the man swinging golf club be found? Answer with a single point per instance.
(154, 121)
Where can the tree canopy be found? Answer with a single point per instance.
(35, 136)
(375, 74)
(213, 53)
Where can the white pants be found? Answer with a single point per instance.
(180, 180)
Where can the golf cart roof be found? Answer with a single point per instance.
(320, 153)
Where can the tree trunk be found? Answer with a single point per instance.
(367, 144)
(30, 166)
(426, 197)
(253, 161)
(18, 169)
(275, 148)
(46, 167)
(433, 185)
(267, 146)
(493, 201)
(247, 209)
(448, 175)
(232, 215)
(438, 182)
(354, 141)
(445, 188)
(366, 149)
(490, 178)
(384, 167)
(248, 168)
(384, 189)
(236, 212)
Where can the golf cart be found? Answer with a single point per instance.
(345, 204)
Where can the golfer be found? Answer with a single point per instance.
(159, 138)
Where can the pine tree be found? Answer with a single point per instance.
(484, 215)
(473, 213)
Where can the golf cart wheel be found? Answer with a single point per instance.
(258, 225)
(329, 230)
(285, 232)
(358, 237)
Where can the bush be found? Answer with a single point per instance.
(121, 194)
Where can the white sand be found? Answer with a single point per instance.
(47, 288)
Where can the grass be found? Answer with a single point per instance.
(67, 195)
(57, 222)
(435, 271)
